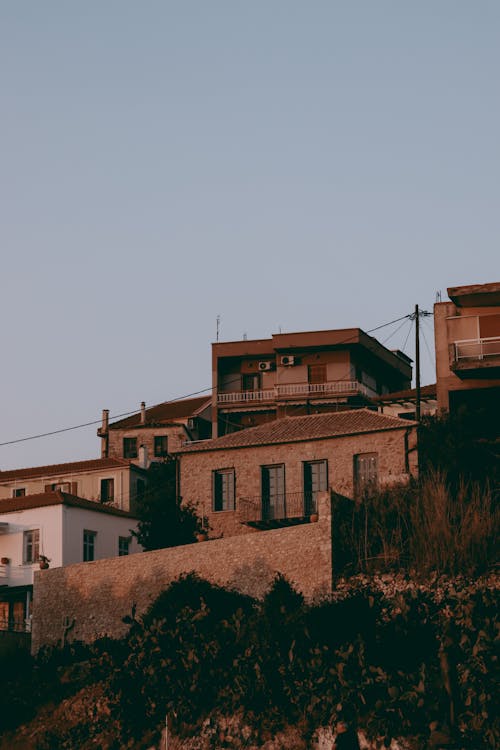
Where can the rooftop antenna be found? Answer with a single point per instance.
(245, 336)
(438, 296)
(218, 327)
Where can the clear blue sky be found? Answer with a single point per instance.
(303, 165)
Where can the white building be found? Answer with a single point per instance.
(55, 528)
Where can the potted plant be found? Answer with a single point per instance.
(44, 562)
(202, 530)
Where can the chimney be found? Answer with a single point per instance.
(143, 412)
(103, 433)
(143, 457)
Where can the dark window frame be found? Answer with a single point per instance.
(223, 490)
(129, 447)
(159, 440)
(124, 546)
(31, 546)
(106, 496)
(89, 538)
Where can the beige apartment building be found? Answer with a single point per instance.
(467, 338)
(115, 481)
(292, 374)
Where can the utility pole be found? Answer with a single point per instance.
(417, 364)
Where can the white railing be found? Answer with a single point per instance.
(477, 349)
(325, 389)
(247, 396)
(297, 389)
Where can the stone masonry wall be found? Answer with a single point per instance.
(90, 599)
(196, 469)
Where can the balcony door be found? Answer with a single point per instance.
(315, 480)
(273, 492)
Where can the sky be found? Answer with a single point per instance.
(284, 165)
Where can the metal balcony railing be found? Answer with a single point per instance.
(475, 349)
(280, 507)
(300, 390)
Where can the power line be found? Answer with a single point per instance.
(179, 398)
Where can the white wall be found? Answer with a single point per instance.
(61, 538)
(108, 527)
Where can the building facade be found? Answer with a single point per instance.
(114, 481)
(292, 374)
(270, 475)
(53, 529)
(153, 433)
(467, 337)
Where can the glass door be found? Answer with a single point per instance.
(273, 492)
(315, 480)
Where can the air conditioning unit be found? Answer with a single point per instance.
(265, 366)
(287, 360)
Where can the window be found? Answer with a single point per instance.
(130, 447)
(107, 490)
(316, 373)
(89, 545)
(250, 382)
(31, 546)
(123, 545)
(19, 492)
(315, 480)
(223, 489)
(273, 492)
(58, 486)
(161, 446)
(365, 472)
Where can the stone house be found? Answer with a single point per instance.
(153, 433)
(268, 476)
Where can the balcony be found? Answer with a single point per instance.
(297, 390)
(285, 509)
(335, 388)
(476, 358)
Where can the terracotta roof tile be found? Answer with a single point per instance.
(165, 413)
(74, 467)
(43, 499)
(296, 429)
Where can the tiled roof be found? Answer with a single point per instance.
(426, 391)
(43, 499)
(165, 413)
(297, 429)
(74, 467)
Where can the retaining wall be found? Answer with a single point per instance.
(89, 600)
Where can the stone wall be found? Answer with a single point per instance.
(89, 600)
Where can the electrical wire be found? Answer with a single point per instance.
(179, 398)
